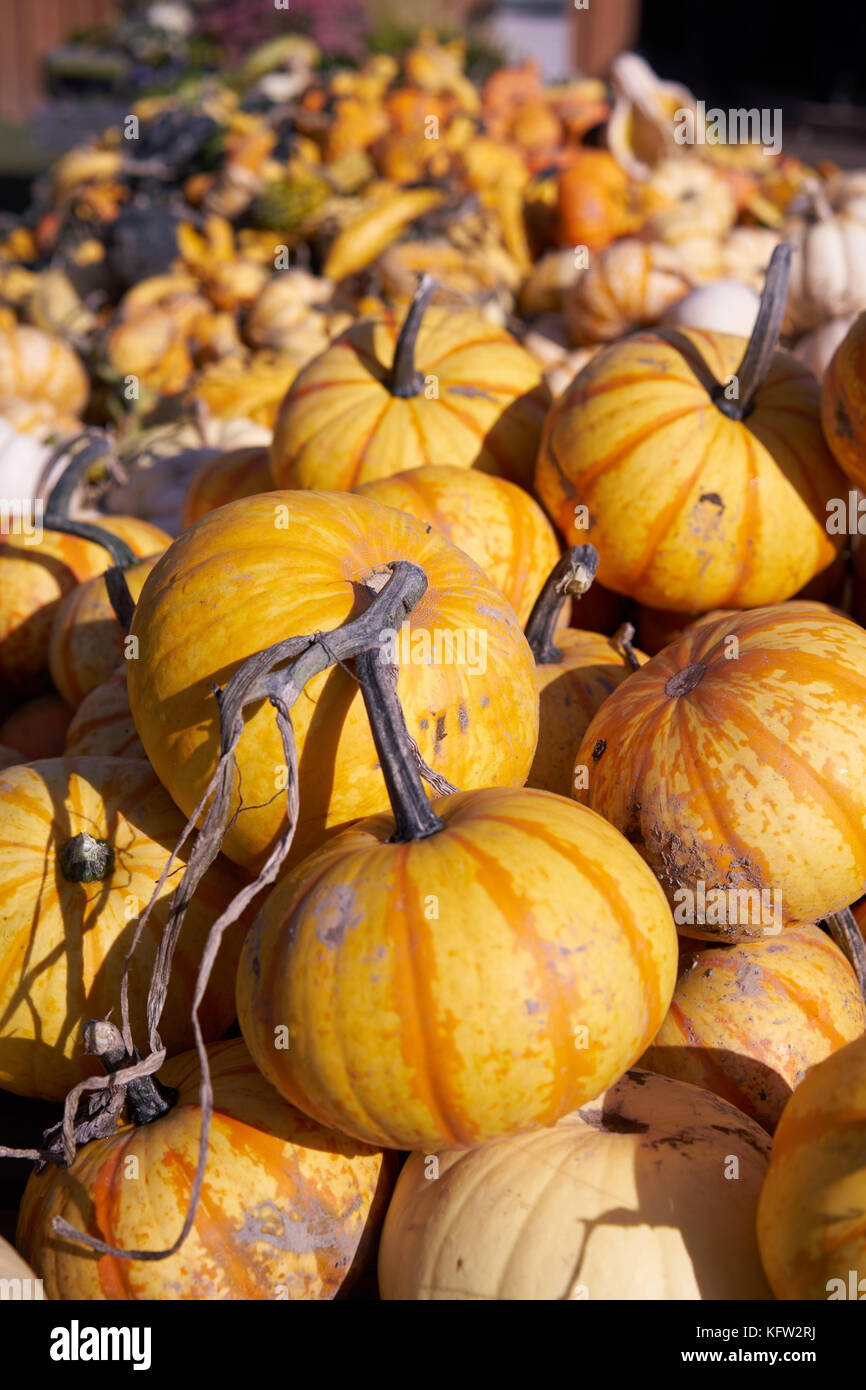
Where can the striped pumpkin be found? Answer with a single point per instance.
(627, 286)
(237, 473)
(843, 403)
(288, 1210)
(102, 726)
(454, 989)
(689, 509)
(42, 380)
(497, 523)
(467, 394)
(272, 567)
(87, 641)
(70, 907)
(747, 1020)
(37, 728)
(629, 1198)
(811, 1226)
(33, 580)
(735, 760)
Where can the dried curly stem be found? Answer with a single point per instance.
(622, 639)
(573, 574)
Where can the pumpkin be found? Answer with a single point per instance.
(594, 206)
(42, 380)
(686, 198)
(576, 671)
(726, 306)
(87, 640)
(828, 272)
(248, 387)
(641, 130)
(449, 387)
(288, 1211)
(102, 725)
(843, 402)
(540, 931)
(649, 1192)
(496, 523)
(695, 463)
(746, 255)
(23, 460)
(18, 1274)
(628, 285)
(38, 728)
(291, 303)
(811, 1231)
(36, 573)
(271, 567)
(84, 841)
(734, 760)
(817, 348)
(746, 1021)
(236, 473)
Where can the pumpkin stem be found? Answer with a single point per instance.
(622, 640)
(78, 466)
(572, 574)
(762, 344)
(414, 816)
(84, 859)
(146, 1096)
(406, 380)
(848, 937)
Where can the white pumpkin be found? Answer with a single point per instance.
(725, 306)
(650, 1192)
(816, 349)
(26, 1287)
(22, 459)
(828, 267)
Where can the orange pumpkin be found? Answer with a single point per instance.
(734, 761)
(42, 380)
(288, 1211)
(83, 843)
(454, 974)
(627, 286)
(448, 387)
(271, 567)
(746, 1021)
(102, 725)
(38, 728)
(87, 641)
(238, 473)
(498, 525)
(843, 403)
(811, 1231)
(594, 202)
(34, 578)
(696, 499)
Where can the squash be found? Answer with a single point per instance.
(686, 198)
(412, 955)
(746, 1021)
(37, 728)
(680, 436)
(87, 640)
(280, 565)
(102, 725)
(816, 349)
(17, 1278)
(641, 130)
(726, 306)
(42, 380)
(594, 204)
(811, 1231)
(734, 763)
(288, 1210)
(843, 403)
(576, 671)
(496, 523)
(291, 303)
(625, 287)
(649, 1192)
(828, 271)
(236, 473)
(84, 841)
(448, 388)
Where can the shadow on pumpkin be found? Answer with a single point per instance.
(755, 1088)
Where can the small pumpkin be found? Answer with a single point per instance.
(449, 387)
(87, 639)
(817, 348)
(594, 203)
(496, 523)
(828, 272)
(726, 306)
(627, 286)
(628, 1198)
(681, 434)
(843, 403)
(84, 841)
(42, 380)
(234, 474)
(746, 1021)
(102, 725)
(541, 931)
(288, 1211)
(811, 1231)
(734, 760)
(37, 728)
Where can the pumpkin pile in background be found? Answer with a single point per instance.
(582, 412)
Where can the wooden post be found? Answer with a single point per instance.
(601, 30)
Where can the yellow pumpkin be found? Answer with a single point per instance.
(633, 1197)
(626, 286)
(234, 474)
(87, 641)
(449, 387)
(102, 725)
(42, 380)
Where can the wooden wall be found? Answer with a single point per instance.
(28, 28)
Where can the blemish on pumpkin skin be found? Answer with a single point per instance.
(843, 422)
(333, 909)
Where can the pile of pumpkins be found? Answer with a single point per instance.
(461, 958)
